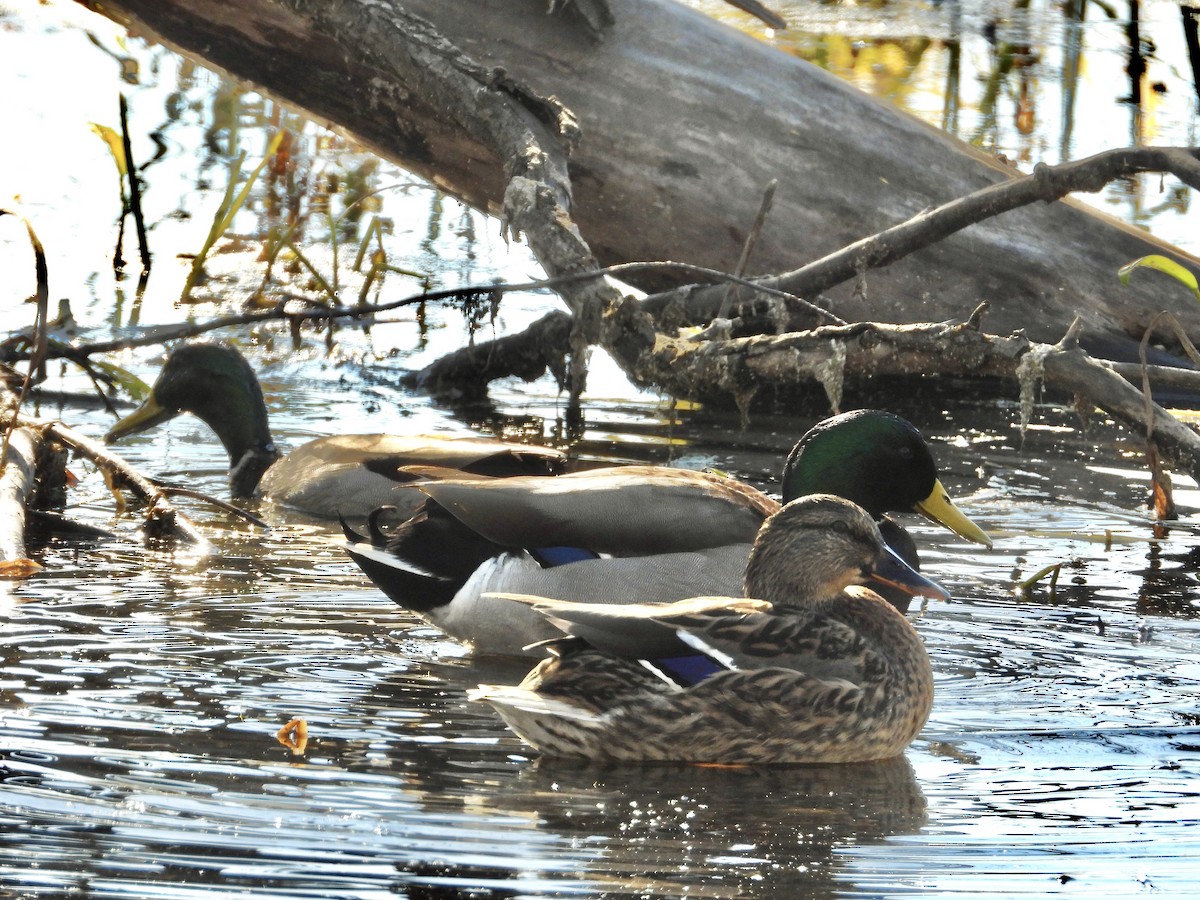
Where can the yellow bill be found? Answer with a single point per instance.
(149, 414)
(941, 509)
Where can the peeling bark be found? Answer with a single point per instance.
(862, 352)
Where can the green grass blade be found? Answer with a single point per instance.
(1161, 264)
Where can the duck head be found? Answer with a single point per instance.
(879, 461)
(817, 546)
(216, 384)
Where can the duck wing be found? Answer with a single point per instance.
(639, 630)
(632, 510)
(352, 474)
(851, 644)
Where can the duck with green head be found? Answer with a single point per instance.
(347, 474)
(658, 533)
(811, 667)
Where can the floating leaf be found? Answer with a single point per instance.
(18, 568)
(1162, 264)
(116, 146)
(294, 736)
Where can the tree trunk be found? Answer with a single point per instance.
(683, 121)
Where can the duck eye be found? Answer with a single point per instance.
(865, 571)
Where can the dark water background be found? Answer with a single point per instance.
(140, 690)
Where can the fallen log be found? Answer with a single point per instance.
(682, 122)
(540, 198)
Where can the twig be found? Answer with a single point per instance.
(764, 208)
(135, 188)
(175, 491)
(162, 334)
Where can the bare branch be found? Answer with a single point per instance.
(162, 519)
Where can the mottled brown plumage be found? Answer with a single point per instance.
(815, 669)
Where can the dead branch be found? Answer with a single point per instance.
(37, 356)
(1046, 184)
(16, 486)
(1161, 377)
(21, 470)
(162, 519)
(830, 356)
(539, 348)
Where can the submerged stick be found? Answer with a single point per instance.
(162, 519)
(174, 491)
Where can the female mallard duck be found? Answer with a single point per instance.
(811, 668)
(347, 474)
(671, 533)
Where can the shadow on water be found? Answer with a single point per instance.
(140, 692)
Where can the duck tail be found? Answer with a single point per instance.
(349, 533)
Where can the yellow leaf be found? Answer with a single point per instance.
(116, 146)
(1162, 264)
(294, 736)
(18, 568)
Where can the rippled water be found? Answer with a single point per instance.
(140, 692)
(1063, 753)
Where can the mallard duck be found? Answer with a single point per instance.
(346, 474)
(671, 533)
(810, 667)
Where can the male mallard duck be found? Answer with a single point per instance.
(810, 668)
(673, 533)
(346, 474)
